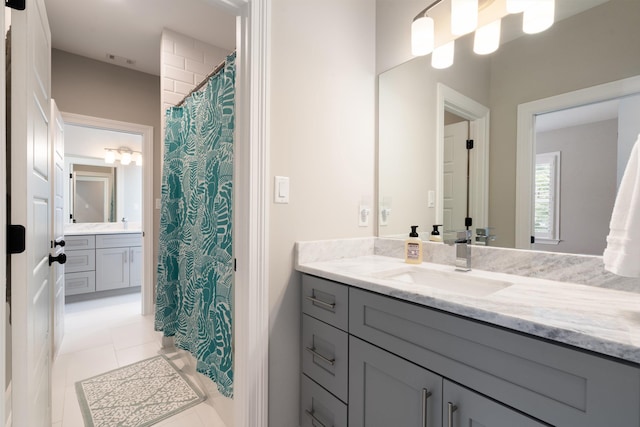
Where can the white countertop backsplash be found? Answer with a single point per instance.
(101, 228)
(568, 299)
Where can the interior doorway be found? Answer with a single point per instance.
(128, 202)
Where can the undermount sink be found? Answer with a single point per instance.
(451, 281)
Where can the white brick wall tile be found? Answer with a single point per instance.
(167, 44)
(179, 39)
(177, 74)
(168, 84)
(197, 67)
(171, 98)
(189, 52)
(173, 60)
(183, 88)
(215, 58)
(200, 77)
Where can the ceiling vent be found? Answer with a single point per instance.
(120, 60)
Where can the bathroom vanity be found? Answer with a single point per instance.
(382, 347)
(98, 262)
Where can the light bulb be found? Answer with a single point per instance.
(125, 158)
(487, 38)
(110, 157)
(538, 16)
(442, 57)
(464, 16)
(422, 36)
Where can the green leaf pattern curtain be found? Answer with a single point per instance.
(194, 301)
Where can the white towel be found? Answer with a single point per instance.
(622, 255)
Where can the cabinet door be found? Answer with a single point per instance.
(463, 407)
(135, 266)
(385, 390)
(112, 268)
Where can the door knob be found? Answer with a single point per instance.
(60, 243)
(62, 258)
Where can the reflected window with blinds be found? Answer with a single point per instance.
(547, 198)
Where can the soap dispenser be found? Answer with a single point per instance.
(435, 234)
(413, 247)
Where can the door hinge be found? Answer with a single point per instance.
(469, 144)
(71, 175)
(533, 239)
(15, 4)
(468, 222)
(15, 239)
(235, 264)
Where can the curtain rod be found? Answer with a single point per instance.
(203, 82)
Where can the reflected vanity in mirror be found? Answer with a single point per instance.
(571, 64)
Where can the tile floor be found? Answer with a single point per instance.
(101, 335)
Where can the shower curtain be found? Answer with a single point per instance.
(195, 266)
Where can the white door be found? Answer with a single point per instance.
(30, 207)
(455, 176)
(57, 231)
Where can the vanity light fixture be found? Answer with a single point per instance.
(422, 36)
(538, 16)
(109, 156)
(487, 38)
(464, 16)
(442, 57)
(124, 154)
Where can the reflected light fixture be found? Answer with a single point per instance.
(138, 158)
(442, 57)
(109, 156)
(464, 16)
(487, 38)
(538, 16)
(125, 158)
(422, 36)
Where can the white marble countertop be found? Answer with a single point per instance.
(601, 320)
(101, 228)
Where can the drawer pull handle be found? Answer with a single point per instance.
(425, 417)
(451, 408)
(328, 305)
(321, 357)
(315, 419)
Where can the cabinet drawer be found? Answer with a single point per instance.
(319, 407)
(79, 283)
(325, 352)
(84, 241)
(77, 261)
(118, 240)
(325, 300)
(558, 385)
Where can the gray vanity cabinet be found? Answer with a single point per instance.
(408, 362)
(463, 407)
(386, 390)
(118, 258)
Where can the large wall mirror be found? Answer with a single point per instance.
(576, 154)
(97, 191)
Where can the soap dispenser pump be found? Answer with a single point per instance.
(413, 247)
(435, 234)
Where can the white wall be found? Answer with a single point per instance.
(322, 124)
(132, 200)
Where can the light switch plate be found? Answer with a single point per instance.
(281, 189)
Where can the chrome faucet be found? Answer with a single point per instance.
(463, 250)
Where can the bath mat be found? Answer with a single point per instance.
(136, 395)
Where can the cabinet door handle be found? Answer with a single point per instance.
(328, 305)
(425, 414)
(131, 250)
(124, 256)
(321, 357)
(315, 419)
(451, 408)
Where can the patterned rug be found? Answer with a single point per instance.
(136, 395)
